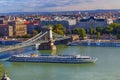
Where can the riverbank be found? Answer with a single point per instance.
(98, 43)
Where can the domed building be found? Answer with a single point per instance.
(5, 77)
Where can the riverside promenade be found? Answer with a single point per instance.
(98, 43)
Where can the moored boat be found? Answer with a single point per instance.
(52, 58)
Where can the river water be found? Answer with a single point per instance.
(107, 66)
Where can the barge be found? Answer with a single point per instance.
(52, 58)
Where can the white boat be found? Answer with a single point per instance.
(52, 58)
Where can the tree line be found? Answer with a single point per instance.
(112, 29)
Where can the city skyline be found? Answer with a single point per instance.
(55, 5)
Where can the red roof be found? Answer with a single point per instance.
(26, 22)
(34, 22)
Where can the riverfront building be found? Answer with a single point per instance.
(30, 28)
(19, 29)
(32, 25)
(6, 30)
(92, 22)
(3, 20)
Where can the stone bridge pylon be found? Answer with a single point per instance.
(49, 45)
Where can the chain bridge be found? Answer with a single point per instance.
(42, 37)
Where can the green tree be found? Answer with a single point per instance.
(76, 30)
(26, 36)
(118, 36)
(108, 30)
(90, 31)
(118, 30)
(99, 29)
(82, 33)
(94, 31)
(35, 32)
(59, 29)
(98, 35)
(0, 70)
(115, 27)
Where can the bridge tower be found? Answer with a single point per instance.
(50, 45)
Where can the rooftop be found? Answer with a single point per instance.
(92, 18)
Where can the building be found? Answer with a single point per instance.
(19, 29)
(117, 20)
(6, 30)
(70, 19)
(72, 22)
(3, 20)
(31, 27)
(109, 21)
(92, 22)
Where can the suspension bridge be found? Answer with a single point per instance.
(42, 37)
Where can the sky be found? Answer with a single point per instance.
(56, 5)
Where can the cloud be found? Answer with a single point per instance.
(55, 5)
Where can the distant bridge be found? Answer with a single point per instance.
(40, 38)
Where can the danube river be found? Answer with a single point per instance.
(107, 66)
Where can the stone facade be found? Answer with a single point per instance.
(6, 30)
(47, 46)
(92, 22)
(20, 29)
